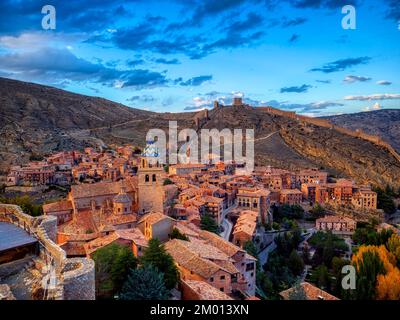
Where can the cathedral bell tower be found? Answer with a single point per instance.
(150, 185)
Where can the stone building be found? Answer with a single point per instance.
(290, 196)
(245, 228)
(150, 185)
(156, 225)
(336, 224)
(365, 198)
(255, 199)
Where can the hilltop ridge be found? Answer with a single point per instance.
(36, 119)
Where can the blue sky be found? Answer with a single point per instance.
(181, 55)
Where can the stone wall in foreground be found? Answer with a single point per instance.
(68, 278)
(79, 279)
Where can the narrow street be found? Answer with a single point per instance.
(263, 255)
(226, 224)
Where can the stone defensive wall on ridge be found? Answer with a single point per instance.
(69, 278)
(326, 124)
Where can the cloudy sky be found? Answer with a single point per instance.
(179, 55)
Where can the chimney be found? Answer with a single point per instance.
(216, 104)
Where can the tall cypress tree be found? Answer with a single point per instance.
(157, 256)
(145, 283)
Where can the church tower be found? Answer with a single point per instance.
(150, 184)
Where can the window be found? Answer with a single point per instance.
(221, 289)
(222, 277)
(250, 266)
(154, 178)
(211, 279)
(147, 178)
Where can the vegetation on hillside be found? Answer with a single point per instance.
(26, 204)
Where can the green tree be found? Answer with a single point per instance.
(26, 204)
(250, 248)
(156, 255)
(266, 285)
(296, 263)
(385, 200)
(276, 225)
(297, 293)
(176, 234)
(368, 269)
(112, 265)
(327, 246)
(145, 283)
(337, 266)
(167, 181)
(320, 276)
(317, 211)
(297, 211)
(367, 235)
(306, 255)
(208, 223)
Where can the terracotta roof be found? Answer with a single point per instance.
(154, 217)
(211, 199)
(101, 188)
(206, 291)
(312, 293)
(133, 235)
(247, 222)
(190, 232)
(189, 260)
(121, 218)
(225, 246)
(100, 242)
(291, 191)
(335, 219)
(63, 205)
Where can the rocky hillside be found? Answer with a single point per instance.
(384, 123)
(36, 119)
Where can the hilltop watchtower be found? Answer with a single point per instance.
(237, 102)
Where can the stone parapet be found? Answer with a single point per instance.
(79, 279)
(74, 278)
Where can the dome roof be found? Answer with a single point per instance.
(122, 196)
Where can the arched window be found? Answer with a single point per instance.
(154, 178)
(147, 178)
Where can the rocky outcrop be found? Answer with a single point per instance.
(384, 123)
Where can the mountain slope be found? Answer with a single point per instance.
(384, 123)
(37, 119)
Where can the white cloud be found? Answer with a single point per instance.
(376, 106)
(238, 94)
(381, 96)
(352, 79)
(37, 40)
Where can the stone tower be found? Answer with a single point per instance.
(150, 184)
